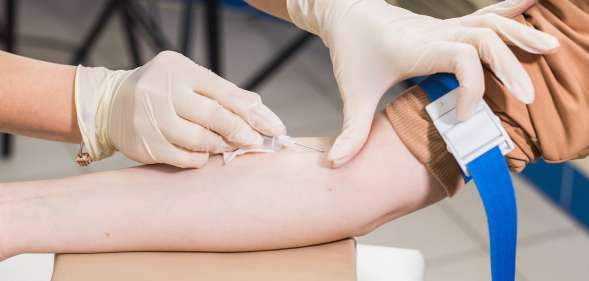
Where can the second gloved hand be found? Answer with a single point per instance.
(374, 45)
(170, 110)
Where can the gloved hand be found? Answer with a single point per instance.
(374, 45)
(170, 110)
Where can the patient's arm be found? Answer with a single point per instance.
(258, 201)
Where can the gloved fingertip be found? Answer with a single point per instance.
(187, 160)
(338, 163)
(281, 130)
(266, 122)
(526, 98)
(341, 152)
(247, 137)
(552, 44)
(463, 113)
(544, 43)
(509, 8)
(466, 105)
(525, 91)
(275, 130)
(255, 140)
(520, 87)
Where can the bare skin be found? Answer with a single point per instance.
(259, 201)
(37, 99)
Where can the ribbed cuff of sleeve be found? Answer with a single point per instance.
(416, 130)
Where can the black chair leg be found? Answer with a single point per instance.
(10, 32)
(214, 47)
(186, 28)
(151, 29)
(132, 42)
(98, 27)
(277, 61)
(10, 44)
(6, 145)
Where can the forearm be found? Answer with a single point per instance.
(276, 8)
(37, 98)
(260, 201)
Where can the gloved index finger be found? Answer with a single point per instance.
(463, 60)
(493, 51)
(508, 8)
(511, 31)
(246, 104)
(212, 115)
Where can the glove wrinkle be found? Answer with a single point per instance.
(374, 45)
(154, 113)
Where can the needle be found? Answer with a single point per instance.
(310, 147)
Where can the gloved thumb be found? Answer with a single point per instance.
(356, 127)
(508, 8)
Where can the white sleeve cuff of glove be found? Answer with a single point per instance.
(94, 91)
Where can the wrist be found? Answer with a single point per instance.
(95, 88)
(310, 15)
(325, 17)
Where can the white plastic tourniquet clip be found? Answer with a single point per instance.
(479, 146)
(472, 138)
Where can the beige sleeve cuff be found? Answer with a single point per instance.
(409, 119)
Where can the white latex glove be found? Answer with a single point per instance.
(374, 45)
(170, 110)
